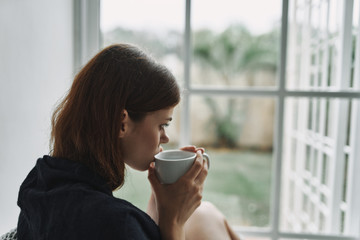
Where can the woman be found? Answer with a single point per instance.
(114, 114)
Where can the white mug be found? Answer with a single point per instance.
(170, 165)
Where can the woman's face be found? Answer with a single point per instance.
(142, 140)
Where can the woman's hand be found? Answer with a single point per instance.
(176, 202)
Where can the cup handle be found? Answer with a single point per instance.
(207, 159)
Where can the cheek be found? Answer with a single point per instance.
(151, 140)
(154, 139)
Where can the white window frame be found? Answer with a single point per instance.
(87, 42)
(86, 19)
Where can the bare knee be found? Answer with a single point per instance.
(207, 222)
(206, 209)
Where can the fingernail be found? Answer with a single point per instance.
(198, 153)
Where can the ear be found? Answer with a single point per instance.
(124, 124)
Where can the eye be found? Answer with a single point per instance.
(163, 126)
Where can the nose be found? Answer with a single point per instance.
(164, 138)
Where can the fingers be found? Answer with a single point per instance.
(192, 148)
(154, 181)
(200, 179)
(196, 167)
(201, 149)
(189, 148)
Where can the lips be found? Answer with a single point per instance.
(160, 148)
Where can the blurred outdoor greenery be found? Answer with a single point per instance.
(231, 51)
(238, 184)
(233, 56)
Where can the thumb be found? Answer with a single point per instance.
(154, 181)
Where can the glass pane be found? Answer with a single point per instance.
(233, 46)
(316, 166)
(238, 135)
(157, 31)
(313, 44)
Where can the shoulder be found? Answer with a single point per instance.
(124, 219)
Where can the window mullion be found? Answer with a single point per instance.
(353, 195)
(352, 225)
(279, 134)
(341, 109)
(344, 46)
(357, 56)
(185, 110)
(327, 57)
(86, 31)
(275, 93)
(337, 163)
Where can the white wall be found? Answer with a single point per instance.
(36, 68)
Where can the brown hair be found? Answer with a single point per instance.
(86, 124)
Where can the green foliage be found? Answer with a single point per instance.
(232, 52)
(226, 127)
(236, 50)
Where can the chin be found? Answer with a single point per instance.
(141, 169)
(145, 167)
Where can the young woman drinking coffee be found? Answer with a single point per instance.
(115, 113)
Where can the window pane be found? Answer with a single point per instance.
(313, 45)
(317, 165)
(238, 134)
(157, 31)
(238, 48)
(232, 46)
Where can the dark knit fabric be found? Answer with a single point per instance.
(62, 199)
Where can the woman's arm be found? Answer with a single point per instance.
(152, 209)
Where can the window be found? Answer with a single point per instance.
(272, 92)
(320, 137)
